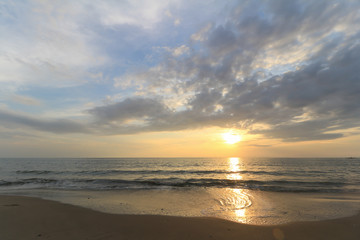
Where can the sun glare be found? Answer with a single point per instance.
(231, 137)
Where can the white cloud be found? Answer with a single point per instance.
(26, 100)
(45, 45)
(183, 49)
(177, 22)
(202, 34)
(142, 13)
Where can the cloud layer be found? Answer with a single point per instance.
(16, 120)
(282, 69)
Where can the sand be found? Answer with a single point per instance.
(33, 218)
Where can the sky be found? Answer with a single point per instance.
(176, 78)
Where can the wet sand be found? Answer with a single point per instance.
(33, 218)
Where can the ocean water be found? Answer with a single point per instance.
(250, 190)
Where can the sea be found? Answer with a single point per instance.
(261, 191)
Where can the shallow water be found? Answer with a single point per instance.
(245, 206)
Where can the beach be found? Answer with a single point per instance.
(179, 119)
(35, 218)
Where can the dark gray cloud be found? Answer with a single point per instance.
(129, 116)
(304, 131)
(11, 119)
(221, 40)
(131, 108)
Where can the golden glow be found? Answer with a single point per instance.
(231, 137)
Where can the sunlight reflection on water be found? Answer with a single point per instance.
(234, 168)
(240, 200)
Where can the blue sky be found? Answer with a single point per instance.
(124, 74)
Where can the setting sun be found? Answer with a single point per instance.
(231, 137)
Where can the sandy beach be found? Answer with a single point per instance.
(33, 218)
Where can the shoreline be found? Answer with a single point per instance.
(36, 218)
(267, 208)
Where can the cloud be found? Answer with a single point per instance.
(26, 100)
(130, 108)
(63, 43)
(180, 51)
(289, 65)
(176, 51)
(45, 45)
(303, 131)
(16, 120)
(222, 40)
(200, 35)
(141, 13)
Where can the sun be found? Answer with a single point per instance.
(231, 137)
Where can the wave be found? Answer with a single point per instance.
(34, 172)
(163, 172)
(113, 184)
